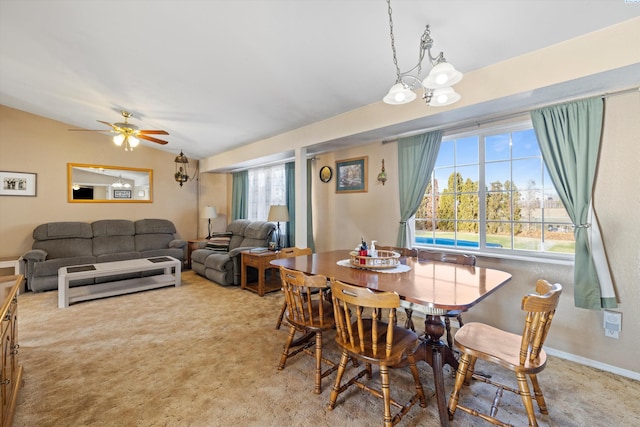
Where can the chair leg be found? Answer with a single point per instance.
(344, 359)
(318, 377)
(525, 394)
(461, 375)
(386, 395)
(459, 317)
(408, 324)
(281, 316)
(416, 380)
(538, 393)
(447, 325)
(287, 345)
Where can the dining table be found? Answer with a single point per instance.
(433, 288)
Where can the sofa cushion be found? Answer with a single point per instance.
(237, 227)
(257, 233)
(65, 248)
(219, 241)
(113, 227)
(63, 230)
(155, 226)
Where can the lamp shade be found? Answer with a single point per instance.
(208, 212)
(441, 76)
(278, 213)
(399, 94)
(444, 96)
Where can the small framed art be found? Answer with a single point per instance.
(351, 175)
(17, 183)
(121, 194)
(325, 174)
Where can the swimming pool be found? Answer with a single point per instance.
(451, 242)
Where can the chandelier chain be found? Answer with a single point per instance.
(393, 44)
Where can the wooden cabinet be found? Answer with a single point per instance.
(11, 377)
(261, 261)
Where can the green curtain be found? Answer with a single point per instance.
(569, 136)
(239, 192)
(310, 242)
(416, 157)
(290, 184)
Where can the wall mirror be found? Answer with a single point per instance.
(108, 184)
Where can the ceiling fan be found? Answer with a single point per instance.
(129, 134)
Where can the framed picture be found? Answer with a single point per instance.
(17, 183)
(326, 173)
(351, 175)
(121, 194)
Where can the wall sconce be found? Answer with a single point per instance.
(182, 169)
(382, 176)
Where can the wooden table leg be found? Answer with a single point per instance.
(436, 353)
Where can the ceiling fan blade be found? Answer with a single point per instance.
(106, 123)
(154, 132)
(152, 139)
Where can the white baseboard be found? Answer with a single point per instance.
(593, 363)
(571, 357)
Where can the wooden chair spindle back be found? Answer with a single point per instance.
(540, 308)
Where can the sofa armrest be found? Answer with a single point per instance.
(235, 252)
(35, 255)
(176, 243)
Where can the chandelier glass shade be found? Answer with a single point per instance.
(436, 86)
(120, 184)
(130, 141)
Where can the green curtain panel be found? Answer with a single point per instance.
(416, 157)
(239, 192)
(569, 136)
(290, 183)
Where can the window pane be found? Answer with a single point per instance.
(467, 151)
(497, 147)
(497, 172)
(498, 234)
(468, 173)
(445, 155)
(524, 144)
(528, 237)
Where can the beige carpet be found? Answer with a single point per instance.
(205, 355)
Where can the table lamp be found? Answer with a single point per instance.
(278, 213)
(208, 212)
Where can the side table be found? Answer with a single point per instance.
(192, 245)
(262, 262)
(16, 263)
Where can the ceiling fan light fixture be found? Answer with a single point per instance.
(133, 141)
(118, 139)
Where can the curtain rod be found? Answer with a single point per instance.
(498, 117)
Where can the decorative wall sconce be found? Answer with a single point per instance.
(382, 176)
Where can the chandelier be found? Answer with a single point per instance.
(181, 174)
(436, 86)
(121, 184)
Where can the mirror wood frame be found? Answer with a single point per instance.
(114, 173)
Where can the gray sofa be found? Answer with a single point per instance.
(224, 267)
(60, 244)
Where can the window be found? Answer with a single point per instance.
(490, 191)
(267, 186)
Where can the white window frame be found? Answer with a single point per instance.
(483, 250)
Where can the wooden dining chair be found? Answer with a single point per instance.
(461, 259)
(406, 252)
(289, 253)
(365, 331)
(522, 354)
(310, 314)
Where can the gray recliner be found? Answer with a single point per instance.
(224, 267)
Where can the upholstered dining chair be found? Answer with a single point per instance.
(521, 354)
(289, 253)
(309, 313)
(461, 259)
(365, 330)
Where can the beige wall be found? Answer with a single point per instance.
(340, 220)
(30, 143)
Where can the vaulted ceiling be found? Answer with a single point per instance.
(218, 75)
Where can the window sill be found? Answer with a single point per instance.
(565, 259)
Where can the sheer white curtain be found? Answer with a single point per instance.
(267, 186)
